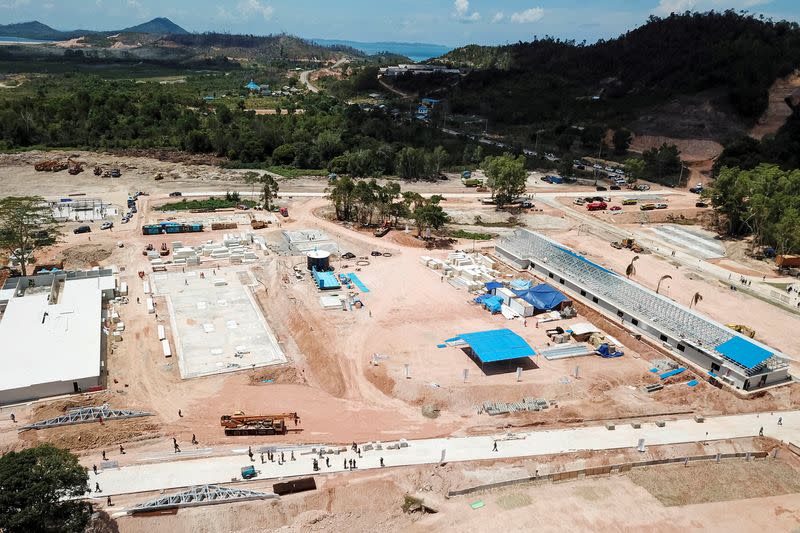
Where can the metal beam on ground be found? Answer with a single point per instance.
(200, 495)
(84, 415)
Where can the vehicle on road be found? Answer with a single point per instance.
(284, 211)
(82, 229)
(601, 188)
(175, 194)
(700, 204)
(614, 187)
(697, 189)
(661, 206)
(106, 225)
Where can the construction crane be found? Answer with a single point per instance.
(273, 424)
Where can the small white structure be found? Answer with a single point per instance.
(51, 335)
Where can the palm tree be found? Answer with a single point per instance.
(631, 270)
(658, 287)
(696, 299)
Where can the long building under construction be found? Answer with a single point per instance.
(721, 352)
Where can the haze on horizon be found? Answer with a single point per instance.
(447, 22)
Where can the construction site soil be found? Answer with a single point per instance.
(341, 396)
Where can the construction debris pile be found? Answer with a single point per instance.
(50, 166)
(527, 404)
(470, 271)
(236, 248)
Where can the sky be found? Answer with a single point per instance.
(448, 22)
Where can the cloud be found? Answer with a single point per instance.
(529, 15)
(665, 7)
(13, 4)
(462, 13)
(498, 17)
(245, 10)
(255, 7)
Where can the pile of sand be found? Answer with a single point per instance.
(85, 255)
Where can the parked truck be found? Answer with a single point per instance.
(596, 206)
(240, 424)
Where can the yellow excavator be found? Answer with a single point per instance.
(744, 330)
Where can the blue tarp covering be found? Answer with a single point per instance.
(354, 278)
(253, 86)
(542, 297)
(520, 284)
(604, 352)
(496, 345)
(692, 383)
(491, 285)
(743, 352)
(671, 373)
(492, 303)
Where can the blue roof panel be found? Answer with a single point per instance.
(496, 345)
(743, 352)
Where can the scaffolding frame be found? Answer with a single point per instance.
(626, 295)
(200, 495)
(85, 415)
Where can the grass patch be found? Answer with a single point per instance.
(209, 203)
(711, 482)
(463, 234)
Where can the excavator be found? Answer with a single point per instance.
(75, 167)
(240, 424)
(743, 329)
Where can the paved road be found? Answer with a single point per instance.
(168, 472)
(305, 81)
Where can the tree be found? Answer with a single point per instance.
(26, 224)
(269, 187)
(39, 491)
(631, 269)
(340, 192)
(428, 214)
(662, 161)
(438, 159)
(506, 177)
(410, 163)
(634, 169)
(622, 141)
(662, 278)
(697, 298)
(565, 166)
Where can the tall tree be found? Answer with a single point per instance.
(26, 224)
(428, 214)
(662, 161)
(622, 141)
(268, 185)
(40, 489)
(634, 169)
(506, 177)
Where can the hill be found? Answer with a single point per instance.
(714, 69)
(37, 30)
(159, 25)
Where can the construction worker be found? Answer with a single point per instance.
(180, 415)
(292, 455)
(381, 462)
(121, 449)
(250, 453)
(104, 455)
(494, 448)
(97, 487)
(283, 458)
(194, 439)
(137, 299)
(13, 418)
(94, 469)
(328, 462)
(345, 464)
(780, 420)
(108, 501)
(761, 431)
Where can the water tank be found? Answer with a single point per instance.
(319, 259)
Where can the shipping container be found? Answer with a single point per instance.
(521, 306)
(505, 294)
(165, 348)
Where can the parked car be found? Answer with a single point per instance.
(579, 201)
(106, 225)
(614, 187)
(616, 208)
(601, 188)
(115, 173)
(701, 204)
(661, 206)
(82, 229)
(596, 206)
(175, 194)
(629, 201)
(647, 207)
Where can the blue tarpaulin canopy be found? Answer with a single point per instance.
(495, 345)
(543, 297)
(491, 285)
(253, 86)
(743, 352)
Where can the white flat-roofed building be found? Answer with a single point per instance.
(51, 336)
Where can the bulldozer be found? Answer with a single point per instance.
(240, 424)
(743, 329)
(98, 171)
(148, 248)
(164, 249)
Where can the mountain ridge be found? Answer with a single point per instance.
(35, 29)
